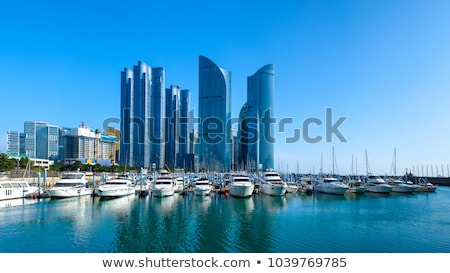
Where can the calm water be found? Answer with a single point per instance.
(302, 223)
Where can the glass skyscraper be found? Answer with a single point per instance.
(41, 140)
(16, 143)
(177, 126)
(141, 116)
(257, 132)
(214, 114)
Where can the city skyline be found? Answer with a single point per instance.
(381, 65)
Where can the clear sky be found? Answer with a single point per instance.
(384, 65)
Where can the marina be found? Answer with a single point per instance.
(184, 222)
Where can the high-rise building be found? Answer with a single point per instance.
(87, 146)
(256, 124)
(16, 143)
(142, 114)
(172, 125)
(41, 140)
(116, 133)
(185, 128)
(177, 126)
(215, 116)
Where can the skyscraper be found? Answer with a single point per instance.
(215, 114)
(256, 125)
(177, 126)
(41, 140)
(16, 143)
(141, 113)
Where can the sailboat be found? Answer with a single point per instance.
(397, 184)
(354, 181)
(375, 183)
(331, 184)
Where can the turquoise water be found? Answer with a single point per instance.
(318, 223)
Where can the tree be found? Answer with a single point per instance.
(6, 163)
(23, 162)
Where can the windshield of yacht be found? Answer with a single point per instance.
(115, 183)
(72, 176)
(241, 179)
(163, 182)
(69, 185)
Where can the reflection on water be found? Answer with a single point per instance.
(16, 202)
(217, 223)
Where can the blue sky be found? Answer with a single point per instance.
(384, 65)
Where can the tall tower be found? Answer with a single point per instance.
(177, 126)
(256, 119)
(215, 114)
(141, 116)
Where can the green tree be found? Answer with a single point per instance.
(6, 163)
(23, 162)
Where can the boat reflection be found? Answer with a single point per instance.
(164, 205)
(17, 202)
(272, 204)
(242, 205)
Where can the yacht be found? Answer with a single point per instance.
(240, 185)
(375, 183)
(292, 187)
(400, 185)
(426, 185)
(14, 189)
(202, 186)
(121, 185)
(355, 184)
(164, 186)
(272, 184)
(71, 184)
(331, 185)
(179, 183)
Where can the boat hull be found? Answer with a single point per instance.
(163, 192)
(114, 192)
(238, 190)
(67, 193)
(331, 190)
(379, 188)
(274, 190)
(201, 191)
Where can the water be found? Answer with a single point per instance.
(318, 223)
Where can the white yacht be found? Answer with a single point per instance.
(71, 184)
(179, 183)
(164, 186)
(202, 186)
(330, 185)
(14, 189)
(375, 183)
(272, 184)
(293, 187)
(121, 185)
(355, 184)
(240, 185)
(400, 185)
(426, 185)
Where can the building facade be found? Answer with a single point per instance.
(256, 125)
(177, 126)
(142, 116)
(41, 140)
(15, 143)
(214, 116)
(88, 146)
